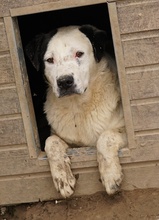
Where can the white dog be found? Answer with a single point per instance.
(83, 105)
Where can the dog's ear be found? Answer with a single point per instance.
(98, 39)
(33, 50)
(36, 48)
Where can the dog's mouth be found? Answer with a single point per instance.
(67, 93)
(70, 92)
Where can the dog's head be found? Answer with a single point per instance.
(68, 57)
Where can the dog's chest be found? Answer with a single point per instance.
(77, 124)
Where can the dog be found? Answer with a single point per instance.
(83, 104)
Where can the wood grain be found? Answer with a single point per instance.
(143, 82)
(138, 16)
(3, 38)
(6, 69)
(145, 116)
(9, 101)
(12, 131)
(141, 52)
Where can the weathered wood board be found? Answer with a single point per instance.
(39, 187)
(143, 82)
(6, 71)
(9, 101)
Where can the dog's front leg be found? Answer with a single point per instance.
(110, 169)
(63, 178)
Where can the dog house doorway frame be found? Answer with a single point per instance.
(21, 77)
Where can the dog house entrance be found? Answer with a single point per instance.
(33, 24)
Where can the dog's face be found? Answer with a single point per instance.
(68, 56)
(68, 61)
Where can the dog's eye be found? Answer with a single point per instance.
(79, 54)
(50, 60)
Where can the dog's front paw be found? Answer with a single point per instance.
(63, 178)
(111, 181)
(111, 175)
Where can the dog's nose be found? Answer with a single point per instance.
(65, 82)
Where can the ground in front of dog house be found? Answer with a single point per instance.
(126, 205)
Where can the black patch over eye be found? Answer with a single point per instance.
(50, 60)
(79, 54)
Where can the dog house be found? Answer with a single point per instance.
(133, 28)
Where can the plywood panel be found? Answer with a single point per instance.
(143, 82)
(145, 116)
(12, 131)
(6, 70)
(9, 101)
(141, 52)
(138, 16)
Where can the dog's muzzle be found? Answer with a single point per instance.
(66, 85)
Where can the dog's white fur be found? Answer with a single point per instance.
(83, 104)
(94, 117)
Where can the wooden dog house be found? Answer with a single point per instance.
(24, 169)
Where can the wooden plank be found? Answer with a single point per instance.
(13, 151)
(3, 38)
(141, 52)
(145, 115)
(141, 176)
(38, 2)
(33, 188)
(121, 73)
(85, 157)
(147, 150)
(147, 146)
(145, 88)
(22, 84)
(143, 82)
(80, 159)
(9, 101)
(12, 131)
(52, 6)
(138, 16)
(19, 165)
(5, 6)
(6, 69)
